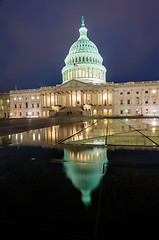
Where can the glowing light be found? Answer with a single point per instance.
(37, 97)
(153, 130)
(8, 100)
(32, 97)
(15, 98)
(154, 91)
(154, 123)
(21, 136)
(33, 136)
(20, 98)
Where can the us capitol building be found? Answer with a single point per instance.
(84, 90)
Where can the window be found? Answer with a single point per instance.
(15, 105)
(129, 111)
(137, 92)
(137, 100)
(32, 105)
(154, 101)
(26, 104)
(146, 110)
(20, 114)
(128, 92)
(20, 106)
(121, 93)
(146, 91)
(37, 113)
(37, 105)
(26, 113)
(146, 102)
(128, 101)
(121, 102)
(121, 111)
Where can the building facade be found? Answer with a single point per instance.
(4, 105)
(84, 90)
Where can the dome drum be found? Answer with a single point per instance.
(84, 72)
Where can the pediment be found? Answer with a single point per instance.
(72, 84)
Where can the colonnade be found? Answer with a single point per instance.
(77, 98)
(83, 73)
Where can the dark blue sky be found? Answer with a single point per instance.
(35, 37)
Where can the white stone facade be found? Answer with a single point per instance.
(109, 99)
(25, 103)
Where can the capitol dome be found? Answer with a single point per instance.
(84, 62)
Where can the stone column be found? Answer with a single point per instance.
(46, 99)
(50, 99)
(91, 97)
(76, 99)
(107, 98)
(43, 100)
(81, 97)
(54, 98)
(71, 98)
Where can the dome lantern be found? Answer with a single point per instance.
(83, 30)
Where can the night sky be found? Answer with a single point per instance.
(35, 37)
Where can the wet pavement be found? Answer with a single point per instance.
(10, 126)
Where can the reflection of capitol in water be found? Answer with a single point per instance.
(85, 168)
(46, 137)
